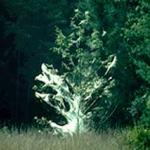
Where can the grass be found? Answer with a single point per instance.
(32, 140)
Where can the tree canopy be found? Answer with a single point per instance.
(100, 48)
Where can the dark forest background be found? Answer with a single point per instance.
(27, 32)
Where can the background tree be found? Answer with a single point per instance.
(27, 33)
(138, 40)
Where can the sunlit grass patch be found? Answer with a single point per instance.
(32, 140)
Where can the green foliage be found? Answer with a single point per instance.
(139, 138)
(137, 37)
(42, 125)
(110, 18)
(145, 119)
(139, 104)
(87, 66)
(86, 70)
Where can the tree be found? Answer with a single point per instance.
(84, 87)
(137, 37)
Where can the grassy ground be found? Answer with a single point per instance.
(32, 140)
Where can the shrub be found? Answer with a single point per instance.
(139, 138)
